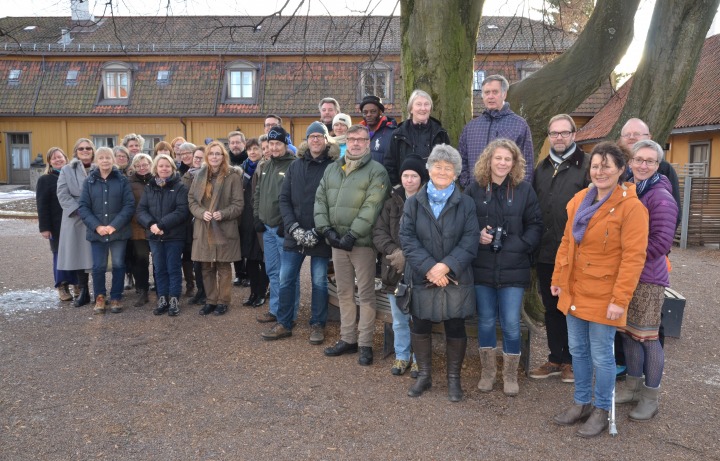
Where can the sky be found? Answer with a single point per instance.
(338, 7)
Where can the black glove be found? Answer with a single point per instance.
(310, 238)
(259, 226)
(332, 237)
(346, 242)
(281, 230)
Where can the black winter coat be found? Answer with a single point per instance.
(386, 235)
(167, 207)
(405, 143)
(452, 239)
(48, 207)
(250, 246)
(107, 202)
(516, 209)
(297, 196)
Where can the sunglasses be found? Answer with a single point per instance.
(84, 148)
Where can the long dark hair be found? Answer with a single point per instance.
(614, 151)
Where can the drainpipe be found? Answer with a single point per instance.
(37, 90)
(219, 87)
(184, 127)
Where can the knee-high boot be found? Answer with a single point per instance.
(422, 345)
(455, 351)
(84, 296)
(187, 268)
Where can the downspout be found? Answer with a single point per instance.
(184, 127)
(220, 80)
(37, 91)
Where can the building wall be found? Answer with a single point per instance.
(680, 149)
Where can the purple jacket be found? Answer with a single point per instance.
(489, 126)
(663, 216)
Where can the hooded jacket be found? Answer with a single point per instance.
(386, 235)
(266, 200)
(166, 206)
(605, 267)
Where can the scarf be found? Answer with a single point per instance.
(160, 181)
(559, 159)
(56, 171)
(249, 166)
(352, 162)
(585, 212)
(438, 198)
(644, 186)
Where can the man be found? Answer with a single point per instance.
(297, 201)
(273, 120)
(236, 142)
(329, 108)
(558, 177)
(266, 213)
(636, 130)
(379, 126)
(347, 204)
(134, 143)
(496, 121)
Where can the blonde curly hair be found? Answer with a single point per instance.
(482, 172)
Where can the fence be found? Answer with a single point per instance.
(700, 209)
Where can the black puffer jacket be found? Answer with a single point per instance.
(249, 242)
(407, 141)
(107, 202)
(167, 207)
(518, 211)
(297, 196)
(48, 207)
(452, 239)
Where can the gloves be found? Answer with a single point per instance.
(297, 232)
(346, 242)
(259, 226)
(397, 260)
(281, 230)
(332, 237)
(310, 238)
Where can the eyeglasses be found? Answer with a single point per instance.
(185, 153)
(634, 135)
(562, 134)
(352, 140)
(315, 137)
(84, 148)
(198, 159)
(142, 166)
(640, 161)
(270, 125)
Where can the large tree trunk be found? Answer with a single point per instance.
(561, 85)
(666, 71)
(438, 42)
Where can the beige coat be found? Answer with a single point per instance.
(228, 200)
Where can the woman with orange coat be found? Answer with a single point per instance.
(597, 269)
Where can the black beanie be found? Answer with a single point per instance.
(415, 164)
(277, 133)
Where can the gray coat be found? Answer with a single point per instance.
(74, 252)
(452, 239)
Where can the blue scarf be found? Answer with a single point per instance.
(249, 167)
(644, 186)
(438, 198)
(585, 212)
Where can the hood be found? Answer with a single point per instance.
(332, 150)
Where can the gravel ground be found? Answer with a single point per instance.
(138, 387)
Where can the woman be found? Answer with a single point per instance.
(216, 202)
(643, 351)
(164, 148)
(250, 243)
(122, 159)
(439, 234)
(139, 263)
(386, 238)
(509, 215)
(50, 217)
(341, 123)
(198, 156)
(597, 268)
(163, 211)
(176, 144)
(185, 157)
(74, 252)
(416, 136)
(106, 207)
(184, 164)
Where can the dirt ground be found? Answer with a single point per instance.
(134, 386)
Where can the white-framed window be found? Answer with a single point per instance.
(163, 76)
(116, 86)
(527, 68)
(104, 140)
(376, 79)
(478, 77)
(700, 153)
(14, 75)
(241, 79)
(150, 141)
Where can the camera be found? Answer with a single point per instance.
(498, 234)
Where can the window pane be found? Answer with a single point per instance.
(110, 88)
(380, 85)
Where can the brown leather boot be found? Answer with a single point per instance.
(595, 424)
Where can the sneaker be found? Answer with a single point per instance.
(340, 348)
(366, 356)
(317, 334)
(278, 331)
(64, 293)
(99, 305)
(174, 308)
(546, 370)
(399, 367)
(414, 371)
(566, 373)
(115, 306)
(162, 306)
(266, 317)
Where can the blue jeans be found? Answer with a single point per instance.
(100, 258)
(290, 288)
(505, 302)
(167, 261)
(591, 346)
(273, 263)
(401, 330)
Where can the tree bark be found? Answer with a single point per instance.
(563, 84)
(438, 42)
(663, 78)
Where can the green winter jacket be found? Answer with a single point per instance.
(266, 201)
(351, 202)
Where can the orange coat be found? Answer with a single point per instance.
(606, 266)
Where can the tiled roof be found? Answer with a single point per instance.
(597, 100)
(276, 35)
(699, 109)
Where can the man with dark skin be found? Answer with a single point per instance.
(379, 126)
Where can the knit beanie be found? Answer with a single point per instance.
(277, 133)
(342, 118)
(316, 128)
(415, 164)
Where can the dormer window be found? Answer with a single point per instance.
(241, 83)
(116, 84)
(376, 79)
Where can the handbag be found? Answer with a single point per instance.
(403, 296)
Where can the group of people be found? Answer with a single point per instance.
(456, 233)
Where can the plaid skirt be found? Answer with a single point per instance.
(643, 316)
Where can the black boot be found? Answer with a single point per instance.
(199, 297)
(422, 345)
(455, 351)
(142, 298)
(84, 297)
